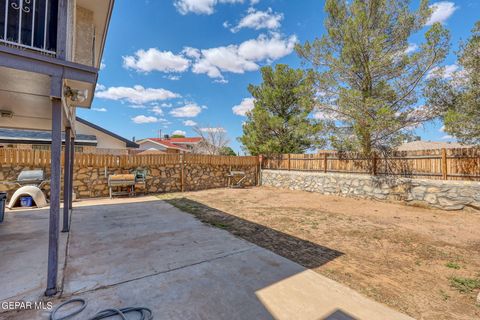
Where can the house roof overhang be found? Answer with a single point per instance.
(128, 143)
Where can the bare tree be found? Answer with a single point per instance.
(214, 139)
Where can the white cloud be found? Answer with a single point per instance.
(141, 119)
(445, 72)
(447, 137)
(259, 20)
(412, 47)
(442, 129)
(323, 116)
(188, 111)
(136, 95)
(99, 87)
(200, 6)
(137, 106)
(172, 77)
(441, 11)
(189, 123)
(241, 58)
(157, 110)
(253, 2)
(156, 60)
(179, 133)
(102, 65)
(218, 129)
(246, 105)
(100, 109)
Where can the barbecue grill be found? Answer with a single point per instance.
(31, 178)
(128, 181)
(30, 182)
(121, 181)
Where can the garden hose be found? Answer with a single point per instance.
(145, 313)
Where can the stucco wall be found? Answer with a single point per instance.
(84, 35)
(104, 141)
(93, 182)
(448, 195)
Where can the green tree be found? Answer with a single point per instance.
(458, 97)
(368, 76)
(227, 151)
(280, 121)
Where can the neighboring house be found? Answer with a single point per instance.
(430, 145)
(50, 56)
(169, 145)
(107, 141)
(89, 138)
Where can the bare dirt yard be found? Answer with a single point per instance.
(423, 262)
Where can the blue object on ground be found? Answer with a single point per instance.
(26, 201)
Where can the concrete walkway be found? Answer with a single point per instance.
(147, 253)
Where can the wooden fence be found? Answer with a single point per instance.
(446, 164)
(41, 158)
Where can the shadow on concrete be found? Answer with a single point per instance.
(339, 315)
(306, 253)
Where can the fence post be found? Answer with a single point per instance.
(444, 164)
(182, 173)
(325, 162)
(289, 163)
(374, 164)
(259, 169)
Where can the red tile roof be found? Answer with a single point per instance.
(167, 143)
(185, 140)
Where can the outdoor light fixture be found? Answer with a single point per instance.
(6, 114)
(76, 95)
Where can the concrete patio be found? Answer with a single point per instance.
(144, 252)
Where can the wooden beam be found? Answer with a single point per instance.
(33, 62)
(55, 172)
(62, 29)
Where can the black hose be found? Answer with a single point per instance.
(53, 315)
(145, 313)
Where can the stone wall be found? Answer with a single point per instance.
(447, 195)
(90, 182)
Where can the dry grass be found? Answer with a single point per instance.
(423, 262)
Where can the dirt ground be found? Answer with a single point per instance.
(423, 262)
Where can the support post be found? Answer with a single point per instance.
(55, 172)
(444, 164)
(67, 180)
(289, 162)
(62, 28)
(72, 164)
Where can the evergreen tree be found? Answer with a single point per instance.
(281, 121)
(458, 98)
(368, 77)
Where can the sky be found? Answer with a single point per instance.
(172, 65)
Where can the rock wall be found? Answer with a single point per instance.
(447, 195)
(90, 182)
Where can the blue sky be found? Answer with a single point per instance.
(172, 64)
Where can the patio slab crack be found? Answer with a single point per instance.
(103, 287)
